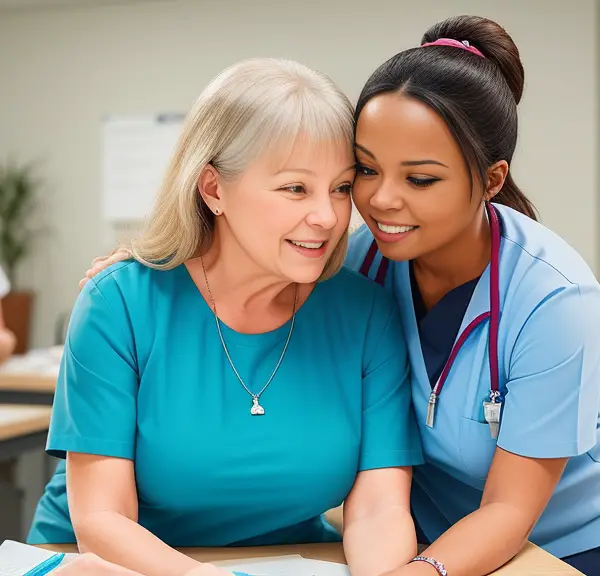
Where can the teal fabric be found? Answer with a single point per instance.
(144, 377)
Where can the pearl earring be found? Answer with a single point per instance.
(217, 211)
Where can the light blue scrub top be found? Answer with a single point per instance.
(549, 362)
(144, 377)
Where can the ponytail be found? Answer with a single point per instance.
(510, 195)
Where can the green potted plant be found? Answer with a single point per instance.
(18, 206)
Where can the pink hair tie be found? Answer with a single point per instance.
(455, 44)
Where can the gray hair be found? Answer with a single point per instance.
(246, 110)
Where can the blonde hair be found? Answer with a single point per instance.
(246, 110)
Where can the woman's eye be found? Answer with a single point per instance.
(360, 169)
(345, 188)
(295, 189)
(422, 182)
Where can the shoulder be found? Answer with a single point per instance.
(547, 285)
(124, 293)
(537, 264)
(130, 280)
(128, 273)
(358, 299)
(529, 244)
(353, 286)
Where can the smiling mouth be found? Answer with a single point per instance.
(390, 229)
(307, 245)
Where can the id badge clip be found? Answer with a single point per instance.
(491, 412)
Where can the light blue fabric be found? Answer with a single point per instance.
(549, 362)
(144, 377)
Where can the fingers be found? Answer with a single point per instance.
(102, 262)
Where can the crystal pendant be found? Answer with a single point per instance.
(257, 409)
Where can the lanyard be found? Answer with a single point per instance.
(492, 407)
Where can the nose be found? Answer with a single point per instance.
(322, 212)
(388, 196)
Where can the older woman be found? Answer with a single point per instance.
(231, 383)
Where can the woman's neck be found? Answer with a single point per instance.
(462, 260)
(246, 298)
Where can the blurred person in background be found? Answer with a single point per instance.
(8, 340)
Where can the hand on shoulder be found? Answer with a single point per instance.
(103, 262)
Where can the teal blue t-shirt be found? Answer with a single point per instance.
(144, 377)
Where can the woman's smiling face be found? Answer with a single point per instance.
(412, 186)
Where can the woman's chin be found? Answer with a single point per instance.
(304, 274)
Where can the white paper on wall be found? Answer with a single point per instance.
(135, 154)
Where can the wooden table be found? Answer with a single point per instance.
(27, 389)
(22, 428)
(532, 561)
(31, 378)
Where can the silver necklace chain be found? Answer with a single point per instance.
(257, 409)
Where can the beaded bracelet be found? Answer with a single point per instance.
(437, 565)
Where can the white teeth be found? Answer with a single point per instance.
(311, 245)
(394, 229)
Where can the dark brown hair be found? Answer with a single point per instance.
(477, 97)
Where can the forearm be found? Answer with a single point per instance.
(478, 544)
(124, 542)
(380, 542)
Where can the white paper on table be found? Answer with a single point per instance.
(292, 565)
(17, 559)
(42, 362)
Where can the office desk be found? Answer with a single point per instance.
(532, 561)
(30, 378)
(22, 428)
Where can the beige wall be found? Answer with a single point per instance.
(62, 70)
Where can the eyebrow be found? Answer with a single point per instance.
(406, 162)
(363, 149)
(303, 170)
(310, 172)
(421, 162)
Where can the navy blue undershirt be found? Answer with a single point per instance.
(438, 327)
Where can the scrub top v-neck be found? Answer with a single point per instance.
(439, 326)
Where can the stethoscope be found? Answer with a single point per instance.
(493, 406)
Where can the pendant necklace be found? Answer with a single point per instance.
(256, 409)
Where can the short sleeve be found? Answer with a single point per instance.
(94, 408)
(390, 436)
(4, 284)
(553, 390)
